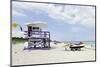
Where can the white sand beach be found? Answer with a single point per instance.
(56, 54)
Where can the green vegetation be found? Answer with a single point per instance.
(16, 40)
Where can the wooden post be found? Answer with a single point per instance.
(49, 39)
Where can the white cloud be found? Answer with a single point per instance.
(16, 13)
(71, 14)
(17, 34)
(76, 15)
(88, 22)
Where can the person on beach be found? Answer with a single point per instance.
(66, 46)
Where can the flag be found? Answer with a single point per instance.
(21, 28)
(15, 25)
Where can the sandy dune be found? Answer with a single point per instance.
(56, 54)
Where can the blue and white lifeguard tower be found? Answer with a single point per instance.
(36, 36)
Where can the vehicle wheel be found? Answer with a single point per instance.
(72, 49)
(34, 46)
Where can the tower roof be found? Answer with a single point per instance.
(37, 24)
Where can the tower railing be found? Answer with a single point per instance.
(38, 38)
(37, 34)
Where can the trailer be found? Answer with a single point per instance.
(76, 48)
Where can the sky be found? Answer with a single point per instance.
(65, 22)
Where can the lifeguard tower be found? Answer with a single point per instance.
(37, 38)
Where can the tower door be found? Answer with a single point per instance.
(29, 30)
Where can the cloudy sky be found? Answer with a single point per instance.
(65, 22)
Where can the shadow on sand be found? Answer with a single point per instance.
(39, 48)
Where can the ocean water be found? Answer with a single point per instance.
(90, 44)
